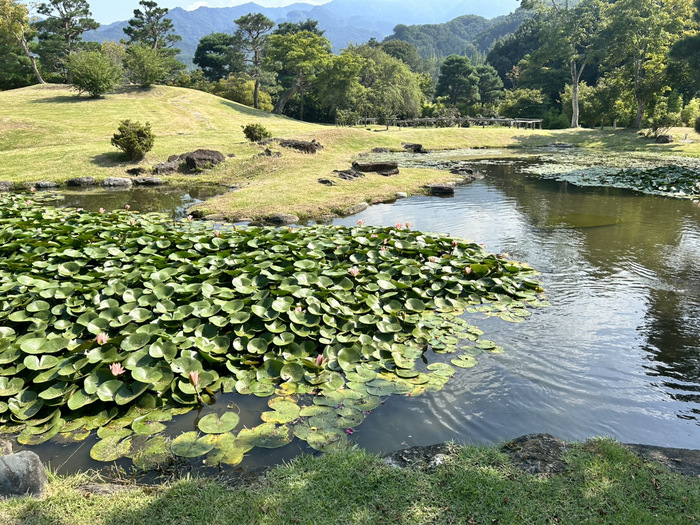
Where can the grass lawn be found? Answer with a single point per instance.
(605, 483)
(49, 133)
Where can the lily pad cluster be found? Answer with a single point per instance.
(118, 322)
(668, 180)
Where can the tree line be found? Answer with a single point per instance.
(628, 62)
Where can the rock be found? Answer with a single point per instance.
(5, 185)
(45, 185)
(537, 453)
(231, 155)
(464, 171)
(681, 460)
(5, 447)
(148, 181)
(424, 458)
(388, 173)
(215, 217)
(202, 159)
(349, 174)
(269, 153)
(116, 182)
(381, 150)
(136, 171)
(374, 166)
(413, 148)
(164, 168)
(282, 218)
(355, 208)
(81, 182)
(561, 145)
(401, 195)
(301, 145)
(327, 182)
(22, 474)
(441, 189)
(664, 139)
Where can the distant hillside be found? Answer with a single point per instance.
(464, 35)
(345, 21)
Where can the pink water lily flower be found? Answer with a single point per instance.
(127, 207)
(32, 189)
(360, 222)
(102, 338)
(373, 236)
(102, 210)
(354, 271)
(467, 270)
(350, 431)
(320, 360)
(116, 369)
(194, 377)
(398, 225)
(432, 259)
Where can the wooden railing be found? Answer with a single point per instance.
(530, 123)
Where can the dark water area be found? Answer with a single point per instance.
(172, 200)
(617, 354)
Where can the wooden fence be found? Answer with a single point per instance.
(529, 123)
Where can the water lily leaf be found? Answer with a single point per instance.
(152, 454)
(415, 305)
(213, 424)
(228, 450)
(111, 448)
(465, 361)
(9, 386)
(267, 435)
(190, 445)
(284, 412)
(135, 341)
(151, 423)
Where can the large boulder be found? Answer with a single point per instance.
(202, 159)
(441, 189)
(301, 145)
(664, 139)
(5, 185)
(413, 148)
(22, 474)
(148, 181)
(45, 185)
(117, 182)
(280, 219)
(164, 168)
(376, 167)
(81, 182)
(349, 174)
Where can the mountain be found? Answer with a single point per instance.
(464, 35)
(345, 21)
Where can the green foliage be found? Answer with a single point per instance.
(554, 119)
(219, 55)
(523, 103)
(128, 320)
(697, 124)
(134, 139)
(256, 132)
(146, 66)
(150, 28)
(458, 81)
(690, 112)
(241, 90)
(253, 32)
(406, 52)
(93, 72)
(15, 30)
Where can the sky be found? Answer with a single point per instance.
(108, 11)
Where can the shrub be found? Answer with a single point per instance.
(146, 66)
(93, 72)
(256, 132)
(134, 139)
(697, 124)
(690, 112)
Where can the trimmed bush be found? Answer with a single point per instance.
(256, 132)
(134, 139)
(93, 72)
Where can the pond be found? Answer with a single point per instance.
(615, 354)
(173, 200)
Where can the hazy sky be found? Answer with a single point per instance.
(108, 11)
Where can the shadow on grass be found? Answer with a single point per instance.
(111, 160)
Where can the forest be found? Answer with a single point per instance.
(623, 63)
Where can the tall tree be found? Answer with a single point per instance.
(458, 80)
(490, 85)
(67, 19)
(149, 27)
(406, 52)
(687, 50)
(570, 36)
(60, 32)
(253, 31)
(14, 26)
(300, 56)
(219, 55)
(287, 28)
(639, 37)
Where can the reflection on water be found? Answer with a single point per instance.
(617, 354)
(173, 200)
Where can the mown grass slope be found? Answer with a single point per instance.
(50, 133)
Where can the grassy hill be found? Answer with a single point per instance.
(49, 133)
